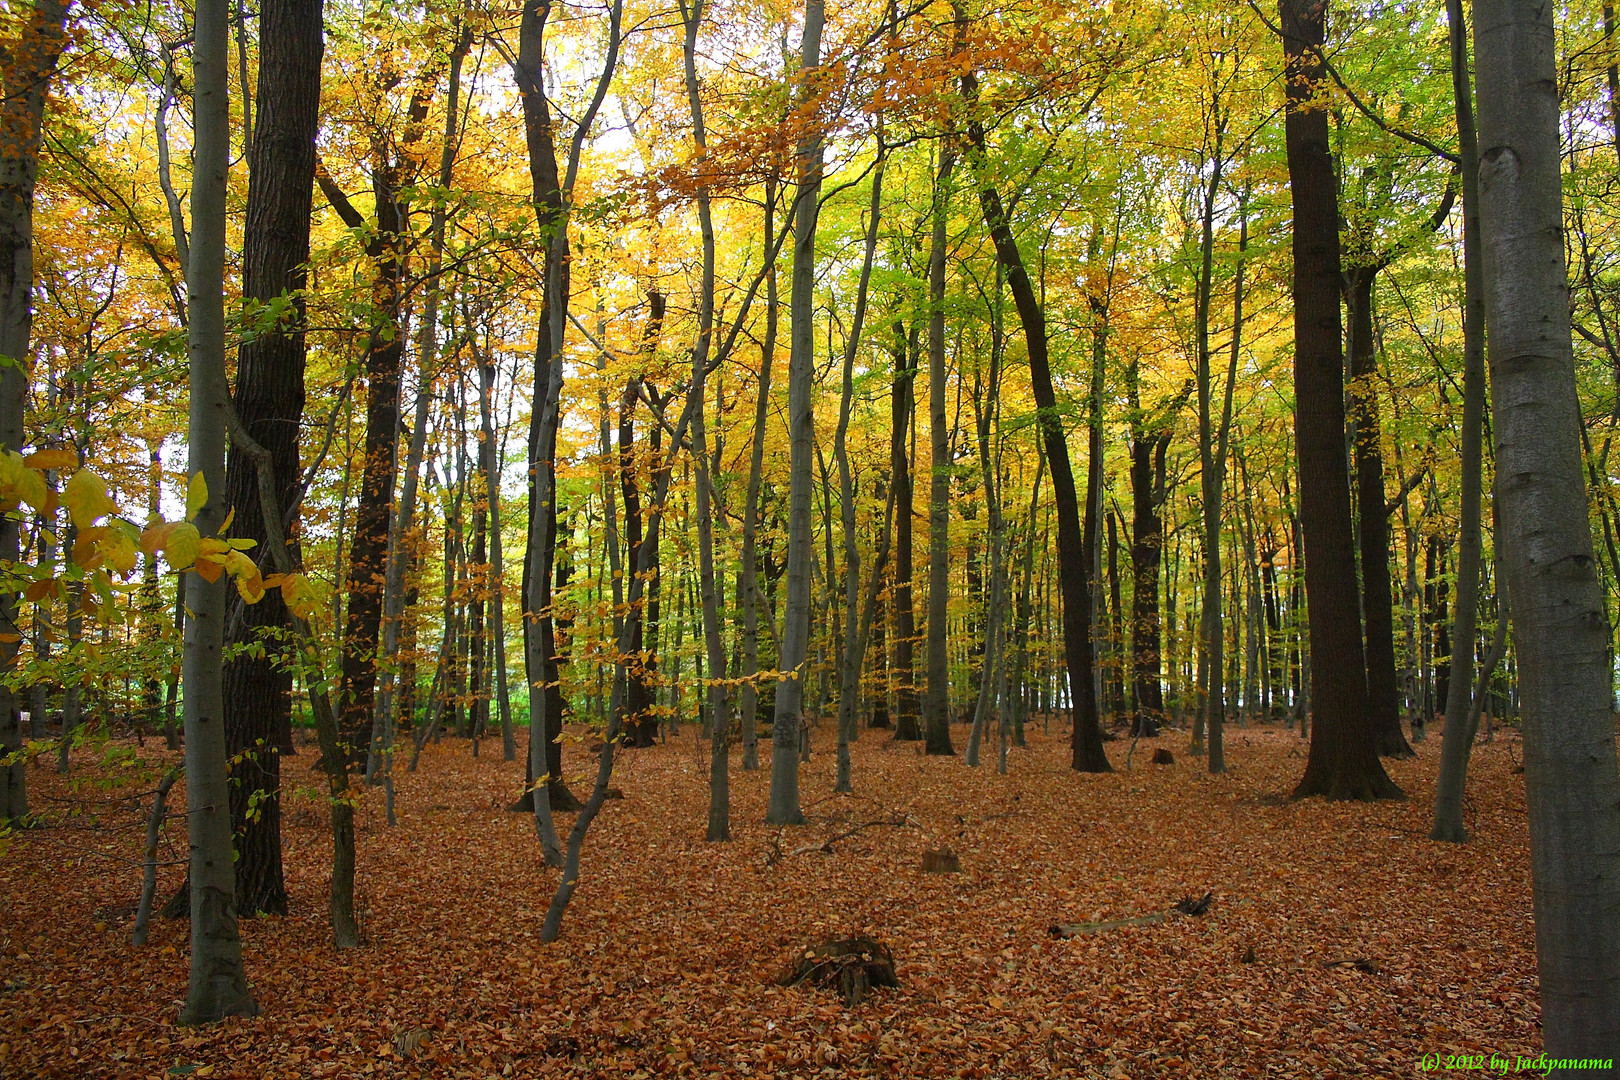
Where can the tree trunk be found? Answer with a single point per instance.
(1343, 762)
(1086, 747)
(789, 713)
(26, 80)
(902, 408)
(218, 985)
(1377, 597)
(1560, 631)
(269, 401)
(1456, 738)
(936, 699)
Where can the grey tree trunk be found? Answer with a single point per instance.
(1560, 631)
(1456, 740)
(714, 646)
(784, 797)
(218, 986)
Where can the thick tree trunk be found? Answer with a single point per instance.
(26, 79)
(1343, 763)
(269, 401)
(789, 715)
(218, 986)
(1560, 632)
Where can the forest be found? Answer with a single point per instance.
(985, 538)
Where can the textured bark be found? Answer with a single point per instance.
(218, 985)
(902, 409)
(26, 74)
(269, 400)
(1560, 630)
(640, 721)
(1343, 763)
(366, 572)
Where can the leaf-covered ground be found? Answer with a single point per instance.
(669, 953)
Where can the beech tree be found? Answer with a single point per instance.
(1560, 629)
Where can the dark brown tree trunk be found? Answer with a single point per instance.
(1086, 738)
(1343, 762)
(640, 721)
(1148, 449)
(269, 399)
(1377, 595)
(902, 402)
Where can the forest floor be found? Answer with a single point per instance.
(1341, 941)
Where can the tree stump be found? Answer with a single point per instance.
(1161, 756)
(851, 965)
(943, 861)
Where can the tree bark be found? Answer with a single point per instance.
(1560, 631)
(218, 985)
(1343, 763)
(269, 401)
(26, 78)
(789, 714)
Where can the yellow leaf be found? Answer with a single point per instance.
(181, 544)
(85, 495)
(251, 586)
(196, 494)
(52, 459)
(10, 638)
(31, 488)
(119, 547)
(208, 571)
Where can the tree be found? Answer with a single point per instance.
(1342, 763)
(1560, 630)
(784, 799)
(218, 985)
(26, 76)
(269, 401)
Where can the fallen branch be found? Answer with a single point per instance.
(1070, 930)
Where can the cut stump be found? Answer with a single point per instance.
(851, 965)
(1161, 756)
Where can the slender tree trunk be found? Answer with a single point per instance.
(1560, 632)
(784, 797)
(936, 700)
(218, 986)
(1456, 739)
(1343, 762)
(1086, 739)
(858, 620)
(748, 587)
(1377, 599)
(902, 408)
